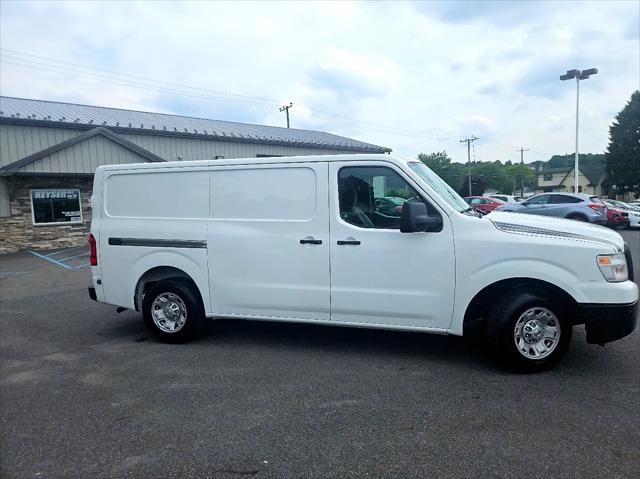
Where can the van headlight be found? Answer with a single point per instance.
(613, 267)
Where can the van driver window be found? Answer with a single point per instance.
(373, 196)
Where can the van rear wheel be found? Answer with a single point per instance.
(527, 332)
(172, 311)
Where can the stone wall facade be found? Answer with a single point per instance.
(17, 232)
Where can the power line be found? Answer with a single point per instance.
(134, 84)
(13, 57)
(206, 90)
(42, 63)
(109, 76)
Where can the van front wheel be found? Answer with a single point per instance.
(172, 311)
(527, 332)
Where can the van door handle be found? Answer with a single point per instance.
(310, 241)
(348, 242)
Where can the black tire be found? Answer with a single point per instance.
(503, 320)
(577, 217)
(193, 319)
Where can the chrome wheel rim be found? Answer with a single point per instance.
(169, 312)
(537, 333)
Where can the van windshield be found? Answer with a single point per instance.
(447, 193)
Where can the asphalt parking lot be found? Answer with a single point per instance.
(85, 392)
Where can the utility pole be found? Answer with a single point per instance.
(522, 150)
(286, 108)
(468, 141)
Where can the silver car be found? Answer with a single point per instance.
(574, 206)
(505, 198)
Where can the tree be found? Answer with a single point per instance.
(623, 152)
(438, 161)
(441, 165)
(520, 175)
(494, 175)
(479, 184)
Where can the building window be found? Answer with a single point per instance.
(548, 177)
(55, 207)
(5, 209)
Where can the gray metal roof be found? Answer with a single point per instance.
(58, 114)
(557, 169)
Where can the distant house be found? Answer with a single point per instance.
(590, 177)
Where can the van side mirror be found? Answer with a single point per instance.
(415, 218)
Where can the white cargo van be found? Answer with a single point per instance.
(352, 240)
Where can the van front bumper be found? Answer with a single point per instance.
(607, 322)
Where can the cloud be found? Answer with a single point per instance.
(412, 76)
(478, 121)
(363, 74)
(492, 11)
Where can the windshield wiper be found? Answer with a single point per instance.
(472, 212)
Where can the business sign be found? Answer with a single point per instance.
(56, 206)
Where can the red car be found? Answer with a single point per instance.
(484, 203)
(617, 218)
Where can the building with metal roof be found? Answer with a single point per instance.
(50, 150)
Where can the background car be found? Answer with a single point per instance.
(633, 213)
(574, 206)
(505, 198)
(617, 218)
(485, 204)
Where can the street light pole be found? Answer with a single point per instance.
(575, 163)
(578, 75)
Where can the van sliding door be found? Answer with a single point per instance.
(268, 241)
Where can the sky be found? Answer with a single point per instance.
(416, 77)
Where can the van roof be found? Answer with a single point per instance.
(255, 161)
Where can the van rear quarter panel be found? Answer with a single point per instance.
(152, 204)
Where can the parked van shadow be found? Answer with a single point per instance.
(361, 342)
(289, 337)
(397, 348)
